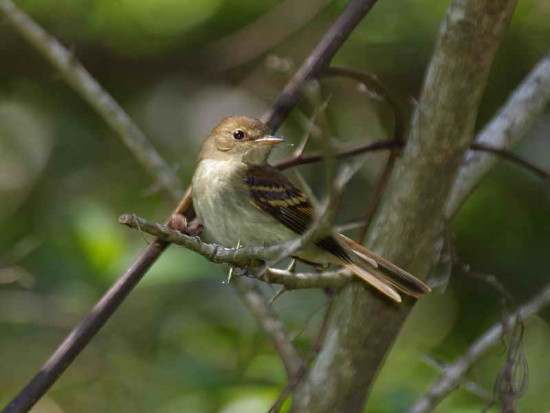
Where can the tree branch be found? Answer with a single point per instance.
(241, 257)
(409, 224)
(508, 126)
(453, 373)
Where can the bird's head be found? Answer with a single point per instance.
(239, 139)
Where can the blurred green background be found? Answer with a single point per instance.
(183, 342)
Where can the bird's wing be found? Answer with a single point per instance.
(274, 194)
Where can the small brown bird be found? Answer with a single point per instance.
(242, 200)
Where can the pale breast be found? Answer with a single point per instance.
(220, 198)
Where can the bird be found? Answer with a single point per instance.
(242, 201)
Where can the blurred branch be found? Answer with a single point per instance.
(264, 313)
(317, 60)
(408, 226)
(79, 338)
(512, 157)
(263, 34)
(372, 84)
(453, 373)
(508, 126)
(291, 386)
(90, 90)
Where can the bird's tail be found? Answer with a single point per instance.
(382, 274)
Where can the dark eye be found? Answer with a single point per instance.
(238, 134)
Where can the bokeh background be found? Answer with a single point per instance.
(183, 340)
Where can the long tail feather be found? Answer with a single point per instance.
(374, 280)
(391, 273)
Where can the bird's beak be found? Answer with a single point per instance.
(269, 140)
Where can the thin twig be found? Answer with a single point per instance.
(374, 202)
(293, 383)
(372, 83)
(512, 157)
(261, 35)
(317, 156)
(255, 301)
(452, 375)
(318, 60)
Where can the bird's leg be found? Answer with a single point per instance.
(231, 268)
(292, 266)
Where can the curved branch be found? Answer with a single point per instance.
(318, 60)
(512, 157)
(453, 373)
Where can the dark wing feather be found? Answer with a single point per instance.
(273, 193)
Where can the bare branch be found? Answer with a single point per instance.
(453, 373)
(90, 90)
(348, 153)
(261, 35)
(507, 127)
(241, 257)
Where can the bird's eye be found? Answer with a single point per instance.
(238, 134)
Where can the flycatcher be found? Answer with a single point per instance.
(242, 200)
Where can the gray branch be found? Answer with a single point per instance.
(242, 257)
(407, 229)
(453, 373)
(508, 126)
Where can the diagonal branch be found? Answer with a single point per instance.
(453, 373)
(254, 299)
(318, 60)
(508, 126)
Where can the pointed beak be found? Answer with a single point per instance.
(269, 140)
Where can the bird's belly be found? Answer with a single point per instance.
(230, 219)
(231, 223)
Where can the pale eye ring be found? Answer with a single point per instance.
(238, 134)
